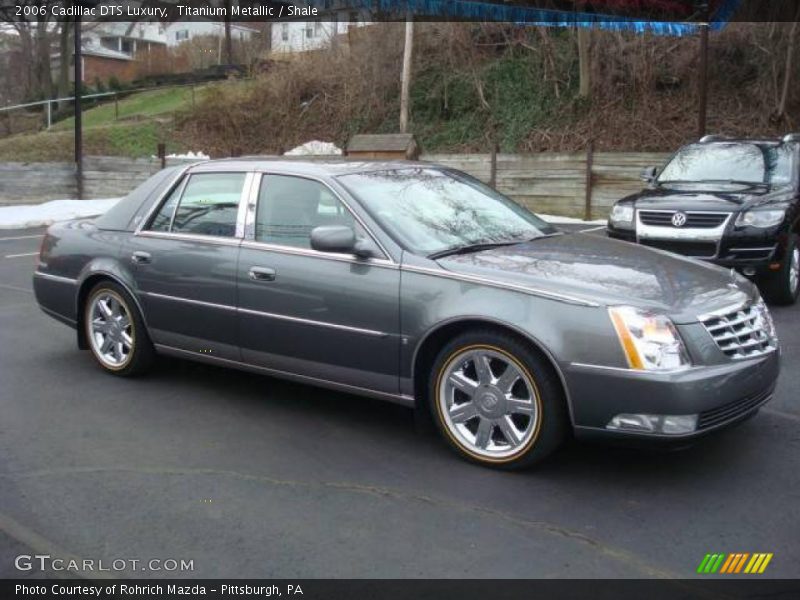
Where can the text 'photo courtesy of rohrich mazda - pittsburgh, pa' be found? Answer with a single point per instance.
(381, 300)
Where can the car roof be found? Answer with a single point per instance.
(330, 167)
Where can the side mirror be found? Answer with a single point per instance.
(648, 174)
(333, 238)
(342, 239)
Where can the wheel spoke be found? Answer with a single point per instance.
(519, 406)
(459, 381)
(482, 368)
(459, 413)
(509, 430)
(484, 433)
(509, 377)
(127, 339)
(99, 325)
(105, 309)
(106, 345)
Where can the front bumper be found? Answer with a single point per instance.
(721, 395)
(759, 252)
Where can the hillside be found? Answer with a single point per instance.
(473, 86)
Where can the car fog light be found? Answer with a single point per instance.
(667, 424)
(749, 271)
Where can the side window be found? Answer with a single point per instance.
(290, 207)
(208, 206)
(164, 216)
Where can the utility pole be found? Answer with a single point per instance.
(405, 87)
(78, 110)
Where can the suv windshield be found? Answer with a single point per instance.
(734, 162)
(431, 210)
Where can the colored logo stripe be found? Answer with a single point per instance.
(735, 563)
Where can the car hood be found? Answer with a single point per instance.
(705, 197)
(609, 272)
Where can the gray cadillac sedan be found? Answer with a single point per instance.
(419, 285)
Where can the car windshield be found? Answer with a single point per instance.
(734, 162)
(430, 210)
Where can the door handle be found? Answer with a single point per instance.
(262, 274)
(141, 257)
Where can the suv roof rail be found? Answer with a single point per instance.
(791, 137)
(715, 137)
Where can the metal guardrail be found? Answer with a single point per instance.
(116, 94)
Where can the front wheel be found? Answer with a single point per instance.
(496, 401)
(115, 331)
(783, 286)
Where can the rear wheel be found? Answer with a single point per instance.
(115, 331)
(783, 286)
(497, 402)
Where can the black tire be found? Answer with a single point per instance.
(544, 433)
(139, 358)
(776, 287)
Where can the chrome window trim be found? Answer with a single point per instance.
(258, 313)
(57, 278)
(337, 256)
(764, 249)
(403, 399)
(500, 284)
(253, 207)
(191, 237)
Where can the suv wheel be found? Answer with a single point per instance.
(783, 286)
(495, 401)
(115, 331)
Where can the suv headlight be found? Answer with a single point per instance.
(649, 340)
(760, 218)
(622, 215)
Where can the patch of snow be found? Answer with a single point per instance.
(40, 215)
(187, 155)
(555, 219)
(314, 148)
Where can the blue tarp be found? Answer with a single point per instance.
(531, 15)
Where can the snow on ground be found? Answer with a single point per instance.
(314, 147)
(557, 220)
(40, 215)
(188, 155)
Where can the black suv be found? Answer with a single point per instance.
(733, 202)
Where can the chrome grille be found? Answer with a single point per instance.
(743, 333)
(694, 220)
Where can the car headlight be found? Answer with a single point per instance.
(760, 218)
(649, 340)
(622, 215)
(764, 320)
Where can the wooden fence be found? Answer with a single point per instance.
(577, 184)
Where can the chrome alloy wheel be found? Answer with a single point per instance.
(488, 403)
(794, 270)
(110, 329)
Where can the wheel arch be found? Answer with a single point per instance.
(85, 286)
(435, 339)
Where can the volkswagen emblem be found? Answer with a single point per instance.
(679, 219)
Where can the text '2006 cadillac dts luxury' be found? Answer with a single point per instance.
(420, 285)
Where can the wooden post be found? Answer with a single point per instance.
(405, 85)
(192, 86)
(587, 209)
(116, 107)
(161, 151)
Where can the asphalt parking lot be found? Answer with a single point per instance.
(253, 477)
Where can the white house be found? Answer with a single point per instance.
(182, 31)
(300, 36)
